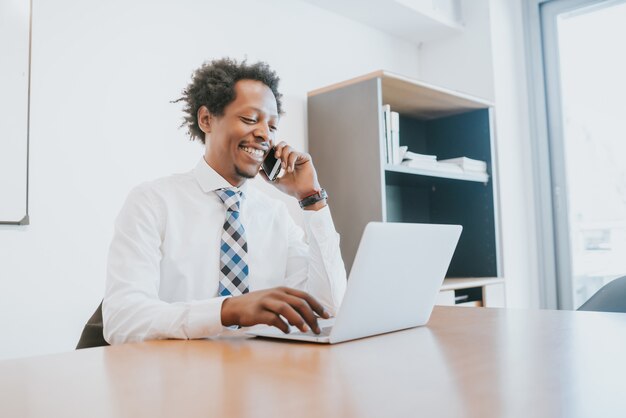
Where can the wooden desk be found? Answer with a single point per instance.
(468, 362)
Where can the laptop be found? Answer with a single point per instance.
(396, 275)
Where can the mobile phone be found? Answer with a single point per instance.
(271, 165)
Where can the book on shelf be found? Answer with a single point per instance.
(395, 138)
(391, 125)
(387, 126)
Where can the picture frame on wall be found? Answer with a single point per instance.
(15, 47)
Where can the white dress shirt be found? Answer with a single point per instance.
(163, 266)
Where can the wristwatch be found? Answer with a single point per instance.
(314, 198)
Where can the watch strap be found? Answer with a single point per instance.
(314, 198)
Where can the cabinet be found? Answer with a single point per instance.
(347, 143)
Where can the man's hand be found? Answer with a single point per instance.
(300, 178)
(265, 306)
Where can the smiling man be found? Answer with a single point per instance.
(197, 252)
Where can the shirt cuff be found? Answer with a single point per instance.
(205, 318)
(319, 223)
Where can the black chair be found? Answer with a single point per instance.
(93, 335)
(610, 298)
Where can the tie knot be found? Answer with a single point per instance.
(231, 198)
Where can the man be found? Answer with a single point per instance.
(197, 252)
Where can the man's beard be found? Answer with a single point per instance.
(243, 174)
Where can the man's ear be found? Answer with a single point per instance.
(205, 119)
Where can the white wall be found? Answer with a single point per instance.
(463, 62)
(487, 61)
(103, 74)
(519, 234)
(14, 34)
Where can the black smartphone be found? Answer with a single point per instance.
(271, 165)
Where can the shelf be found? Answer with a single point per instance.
(415, 98)
(470, 282)
(476, 177)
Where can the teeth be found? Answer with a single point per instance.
(253, 151)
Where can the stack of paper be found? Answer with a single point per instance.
(430, 162)
(468, 164)
(406, 155)
(426, 162)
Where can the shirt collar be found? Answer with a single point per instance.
(210, 180)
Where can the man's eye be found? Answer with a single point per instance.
(273, 128)
(248, 120)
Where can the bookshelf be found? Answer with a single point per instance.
(347, 143)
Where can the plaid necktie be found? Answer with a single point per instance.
(233, 247)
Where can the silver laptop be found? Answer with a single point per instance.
(396, 275)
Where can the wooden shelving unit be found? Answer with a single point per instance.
(346, 140)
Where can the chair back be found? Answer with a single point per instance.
(93, 335)
(610, 298)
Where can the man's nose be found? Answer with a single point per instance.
(262, 132)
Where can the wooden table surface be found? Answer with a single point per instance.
(468, 362)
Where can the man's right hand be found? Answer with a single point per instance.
(265, 306)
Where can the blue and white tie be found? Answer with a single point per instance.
(233, 247)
